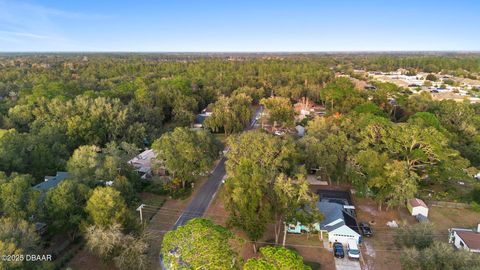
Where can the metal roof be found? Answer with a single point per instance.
(51, 181)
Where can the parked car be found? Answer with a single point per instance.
(365, 229)
(352, 250)
(338, 250)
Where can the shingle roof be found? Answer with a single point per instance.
(51, 181)
(471, 238)
(331, 211)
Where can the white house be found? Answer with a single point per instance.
(465, 239)
(337, 225)
(143, 162)
(417, 207)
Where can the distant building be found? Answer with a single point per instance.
(304, 107)
(143, 163)
(467, 239)
(51, 181)
(200, 118)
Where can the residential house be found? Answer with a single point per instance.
(304, 107)
(339, 224)
(200, 118)
(143, 163)
(467, 239)
(51, 181)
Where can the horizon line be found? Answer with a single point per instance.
(252, 52)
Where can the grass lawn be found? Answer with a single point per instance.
(444, 218)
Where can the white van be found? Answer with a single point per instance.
(352, 249)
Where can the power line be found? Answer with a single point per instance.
(171, 211)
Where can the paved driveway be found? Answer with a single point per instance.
(347, 264)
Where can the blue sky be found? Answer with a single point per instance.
(242, 25)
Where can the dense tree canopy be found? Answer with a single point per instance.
(276, 258)
(258, 188)
(107, 207)
(231, 114)
(439, 256)
(90, 115)
(18, 237)
(200, 244)
(187, 154)
(280, 111)
(17, 198)
(64, 206)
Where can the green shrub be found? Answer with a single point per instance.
(475, 206)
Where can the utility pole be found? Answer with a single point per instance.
(139, 209)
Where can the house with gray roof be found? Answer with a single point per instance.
(51, 181)
(339, 224)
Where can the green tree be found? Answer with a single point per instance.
(230, 114)
(326, 147)
(13, 151)
(255, 93)
(276, 258)
(84, 163)
(106, 207)
(18, 237)
(19, 232)
(439, 256)
(292, 202)
(280, 111)
(187, 154)
(90, 164)
(17, 198)
(340, 95)
(65, 206)
(419, 235)
(255, 159)
(200, 244)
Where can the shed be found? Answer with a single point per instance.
(417, 207)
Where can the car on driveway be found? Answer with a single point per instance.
(338, 251)
(352, 250)
(365, 229)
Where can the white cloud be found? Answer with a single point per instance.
(28, 27)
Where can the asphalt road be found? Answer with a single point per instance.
(205, 195)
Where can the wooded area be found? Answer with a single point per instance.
(89, 115)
